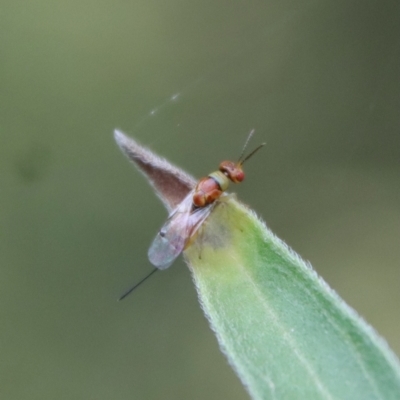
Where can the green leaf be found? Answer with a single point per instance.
(283, 330)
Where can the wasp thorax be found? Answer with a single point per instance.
(232, 170)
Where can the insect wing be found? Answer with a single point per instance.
(175, 233)
(172, 237)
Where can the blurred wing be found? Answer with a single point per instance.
(172, 237)
(175, 233)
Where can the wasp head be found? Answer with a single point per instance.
(232, 170)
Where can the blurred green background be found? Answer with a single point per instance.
(319, 81)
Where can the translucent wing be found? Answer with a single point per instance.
(175, 233)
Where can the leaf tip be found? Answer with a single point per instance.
(170, 183)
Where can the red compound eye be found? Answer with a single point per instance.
(239, 176)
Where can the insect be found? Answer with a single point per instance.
(185, 220)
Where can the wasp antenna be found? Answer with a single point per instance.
(245, 145)
(129, 291)
(252, 153)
